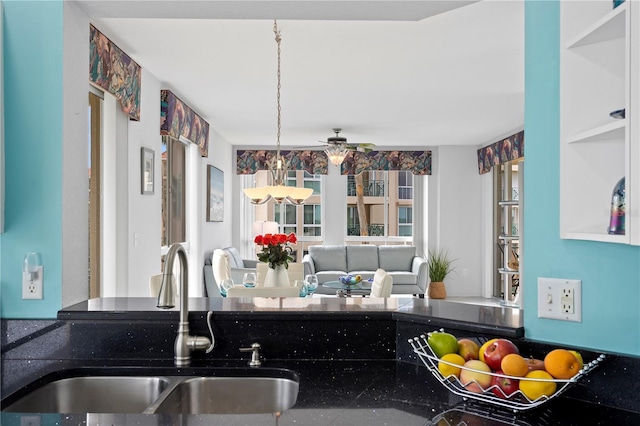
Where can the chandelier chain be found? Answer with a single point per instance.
(278, 40)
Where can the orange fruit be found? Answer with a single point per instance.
(561, 364)
(448, 369)
(534, 389)
(514, 365)
(483, 347)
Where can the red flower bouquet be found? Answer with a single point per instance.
(276, 249)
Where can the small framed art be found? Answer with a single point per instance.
(146, 170)
(215, 194)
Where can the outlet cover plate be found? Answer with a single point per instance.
(552, 297)
(33, 289)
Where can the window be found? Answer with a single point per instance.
(174, 174)
(312, 220)
(285, 216)
(386, 203)
(290, 179)
(405, 221)
(506, 180)
(405, 185)
(313, 181)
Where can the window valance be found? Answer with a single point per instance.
(177, 119)
(114, 71)
(316, 162)
(417, 162)
(250, 161)
(507, 149)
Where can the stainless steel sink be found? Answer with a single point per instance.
(117, 394)
(228, 395)
(237, 394)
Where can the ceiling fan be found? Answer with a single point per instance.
(337, 147)
(342, 141)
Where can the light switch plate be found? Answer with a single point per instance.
(560, 299)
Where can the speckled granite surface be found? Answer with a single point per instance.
(351, 355)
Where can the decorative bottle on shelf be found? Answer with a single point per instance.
(618, 206)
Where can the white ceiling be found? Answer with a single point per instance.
(393, 73)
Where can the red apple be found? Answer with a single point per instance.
(535, 364)
(475, 381)
(468, 349)
(497, 350)
(504, 386)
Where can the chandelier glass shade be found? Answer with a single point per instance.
(278, 191)
(336, 154)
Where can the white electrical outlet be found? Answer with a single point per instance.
(560, 298)
(32, 284)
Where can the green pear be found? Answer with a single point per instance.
(442, 343)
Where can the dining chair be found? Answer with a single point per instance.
(382, 284)
(220, 266)
(155, 281)
(295, 271)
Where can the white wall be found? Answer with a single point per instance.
(455, 198)
(75, 197)
(219, 234)
(144, 211)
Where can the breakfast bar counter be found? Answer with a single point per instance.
(351, 355)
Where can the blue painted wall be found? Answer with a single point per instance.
(33, 70)
(610, 273)
(33, 89)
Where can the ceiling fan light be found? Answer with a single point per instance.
(336, 154)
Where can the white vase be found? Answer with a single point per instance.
(276, 277)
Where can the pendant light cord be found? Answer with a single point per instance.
(278, 40)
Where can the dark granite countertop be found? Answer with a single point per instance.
(351, 355)
(503, 321)
(347, 393)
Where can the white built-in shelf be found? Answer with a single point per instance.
(609, 27)
(509, 202)
(597, 236)
(613, 130)
(599, 72)
(508, 271)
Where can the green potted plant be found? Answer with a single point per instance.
(439, 265)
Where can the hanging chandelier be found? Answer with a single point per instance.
(278, 191)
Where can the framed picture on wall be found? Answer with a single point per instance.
(215, 194)
(146, 170)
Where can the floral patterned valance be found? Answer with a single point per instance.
(177, 119)
(114, 71)
(417, 162)
(508, 149)
(250, 161)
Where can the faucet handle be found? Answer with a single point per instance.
(213, 338)
(255, 356)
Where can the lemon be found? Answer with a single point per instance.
(447, 369)
(534, 389)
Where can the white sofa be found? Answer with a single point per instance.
(329, 262)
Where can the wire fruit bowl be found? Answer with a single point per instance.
(517, 401)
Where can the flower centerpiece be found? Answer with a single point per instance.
(276, 253)
(276, 249)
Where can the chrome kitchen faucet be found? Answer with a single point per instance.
(184, 343)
